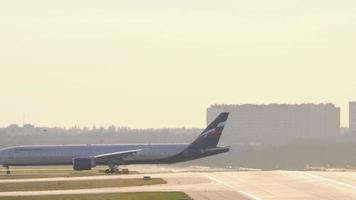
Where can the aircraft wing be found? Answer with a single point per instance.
(115, 156)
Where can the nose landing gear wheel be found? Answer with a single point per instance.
(8, 170)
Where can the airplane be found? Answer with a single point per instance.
(86, 157)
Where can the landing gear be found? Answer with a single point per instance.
(7, 170)
(113, 169)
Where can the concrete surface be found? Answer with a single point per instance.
(226, 185)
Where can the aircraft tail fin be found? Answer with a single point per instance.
(209, 138)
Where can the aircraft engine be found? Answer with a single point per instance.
(83, 163)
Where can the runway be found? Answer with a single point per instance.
(228, 185)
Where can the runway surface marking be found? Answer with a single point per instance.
(330, 180)
(219, 181)
(231, 187)
(249, 195)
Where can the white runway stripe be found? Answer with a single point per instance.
(249, 195)
(331, 181)
(233, 188)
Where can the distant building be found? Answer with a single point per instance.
(352, 116)
(278, 123)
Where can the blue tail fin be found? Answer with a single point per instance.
(209, 138)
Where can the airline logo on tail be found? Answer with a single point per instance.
(214, 132)
(209, 138)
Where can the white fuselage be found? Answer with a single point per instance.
(64, 154)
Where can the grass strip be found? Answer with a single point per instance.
(121, 196)
(76, 184)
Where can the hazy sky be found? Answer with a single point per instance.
(160, 63)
